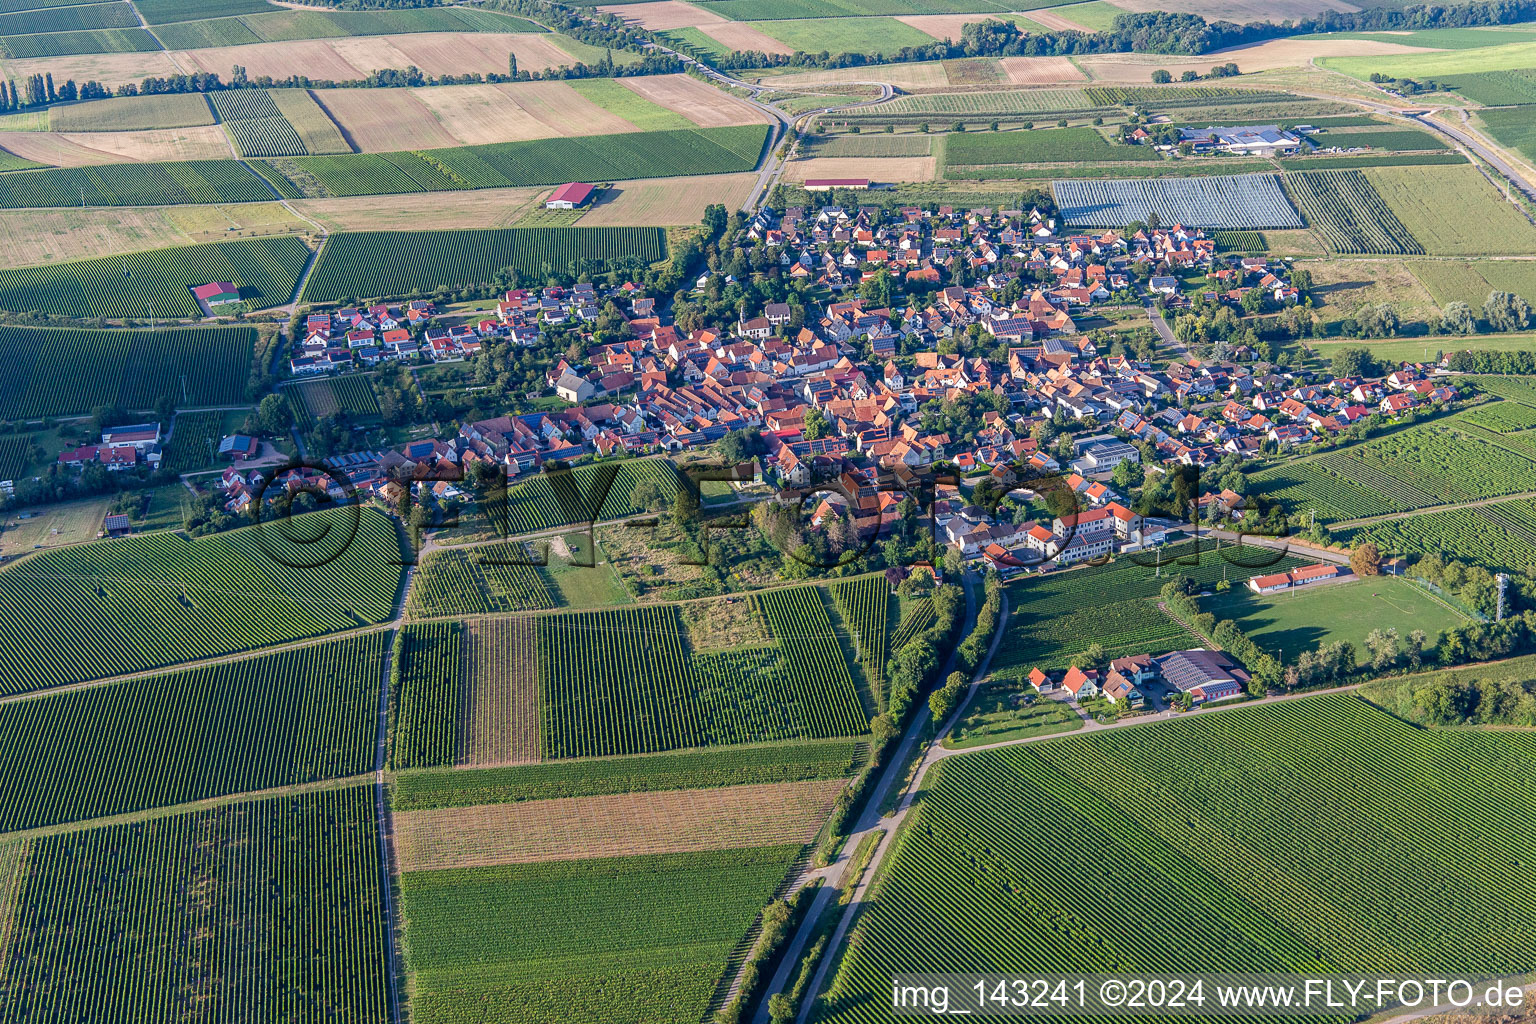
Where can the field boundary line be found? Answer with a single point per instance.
(171, 810)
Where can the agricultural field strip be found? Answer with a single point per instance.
(165, 600)
(1350, 214)
(578, 828)
(265, 909)
(964, 866)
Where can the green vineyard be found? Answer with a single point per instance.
(624, 681)
(492, 578)
(1304, 837)
(114, 607)
(155, 741)
(864, 605)
(1349, 213)
(194, 441)
(541, 162)
(255, 123)
(144, 184)
(391, 263)
(650, 934)
(261, 910)
(15, 455)
(584, 494)
(128, 369)
(311, 400)
(427, 700)
(158, 283)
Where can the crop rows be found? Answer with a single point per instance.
(142, 184)
(655, 932)
(1497, 88)
(1442, 466)
(1305, 487)
(1320, 799)
(499, 716)
(1501, 417)
(1080, 144)
(625, 682)
(128, 369)
(1122, 627)
(1000, 102)
(158, 282)
(1402, 496)
(90, 40)
(864, 605)
(352, 394)
(1516, 389)
(564, 498)
(428, 699)
(541, 162)
(1494, 536)
(919, 618)
(389, 263)
(258, 127)
(15, 455)
(272, 720)
(260, 910)
(1350, 214)
(67, 19)
(495, 578)
(194, 441)
(1241, 241)
(1195, 96)
(1231, 202)
(687, 769)
(91, 611)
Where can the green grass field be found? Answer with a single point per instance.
(293, 25)
(1513, 127)
(611, 95)
(1453, 211)
(1422, 66)
(131, 113)
(1406, 139)
(1286, 624)
(1096, 14)
(1004, 711)
(845, 35)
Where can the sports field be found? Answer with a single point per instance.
(1286, 624)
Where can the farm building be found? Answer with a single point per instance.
(116, 526)
(1204, 675)
(828, 184)
(569, 196)
(135, 435)
(239, 447)
(217, 292)
(1298, 577)
(1262, 140)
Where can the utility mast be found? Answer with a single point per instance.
(1503, 579)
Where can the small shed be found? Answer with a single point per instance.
(116, 526)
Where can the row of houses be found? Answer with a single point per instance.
(1203, 675)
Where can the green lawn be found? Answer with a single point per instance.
(1422, 66)
(1096, 14)
(1004, 711)
(845, 35)
(580, 586)
(1288, 623)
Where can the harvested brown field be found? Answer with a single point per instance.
(481, 208)
(112, 69)
(564, 111)
(925, 75)
(660, 15)
(1056, 22)
(485, 113)
(1275, 53)
(942, 26)
(740, 35)
(578, 828)
(499, 714)
(878, 169)
(385, 120)
(702, 104)
(31, 237)
(455, 53)
(81, 149)
(1041, 70)
(1239, 11)
(354, 57)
